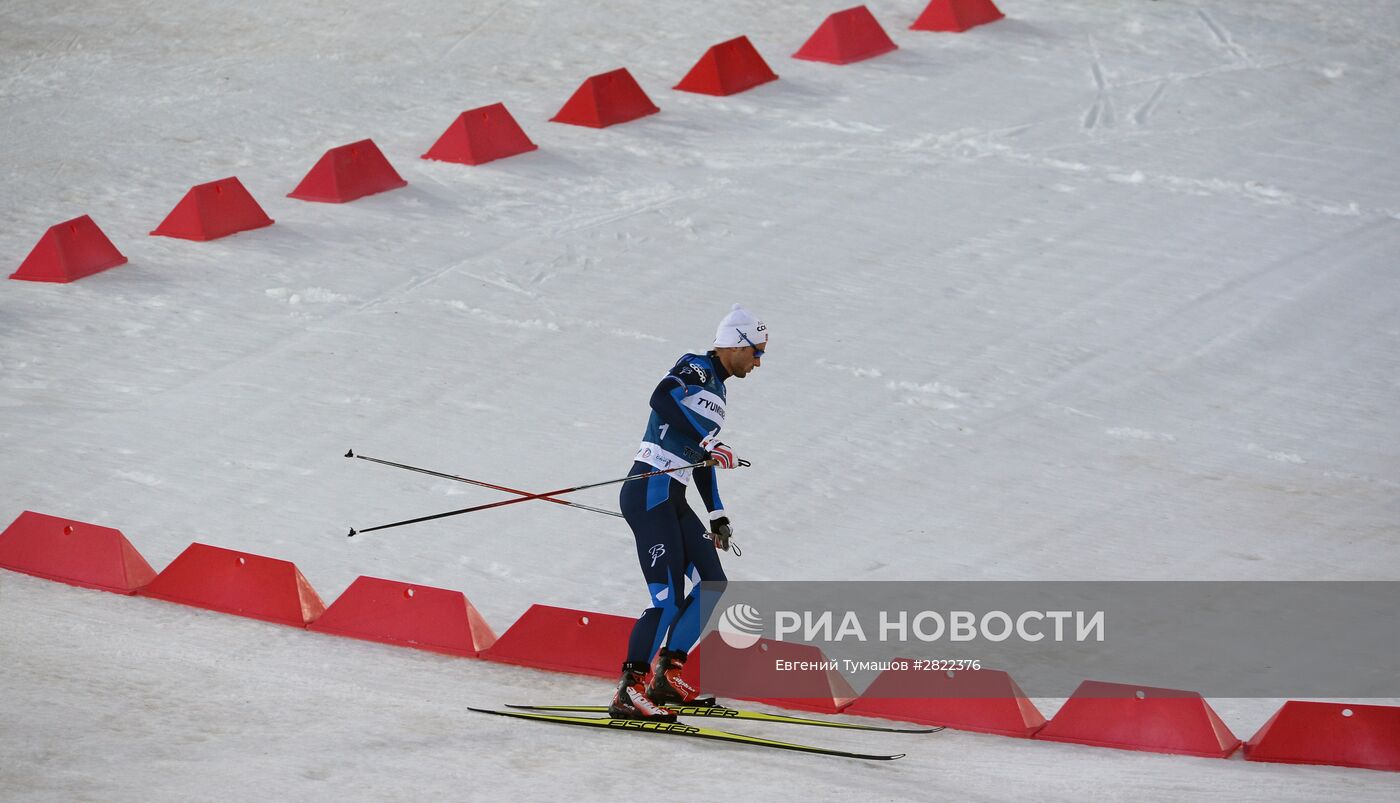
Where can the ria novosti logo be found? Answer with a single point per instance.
(740, 626)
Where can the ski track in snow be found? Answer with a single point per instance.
(1103, 112)
(1222, 36)
(1143, 114)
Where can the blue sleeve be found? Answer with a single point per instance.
(666, 401)
(707, 484)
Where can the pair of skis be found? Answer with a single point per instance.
(573, 715)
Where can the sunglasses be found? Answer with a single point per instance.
(757, 349)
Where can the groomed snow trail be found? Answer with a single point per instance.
(1105, 290)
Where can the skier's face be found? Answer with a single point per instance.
(740, 361)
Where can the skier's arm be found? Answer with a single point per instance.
(706, 484)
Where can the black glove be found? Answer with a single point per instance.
(721, 531)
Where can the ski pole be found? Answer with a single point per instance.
(492, 486)
(520, 499)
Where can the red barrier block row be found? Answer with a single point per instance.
(560, 639)
(91, 556)
(1140, 718)
(985, 700)
(77, 248)
(73, 552)
(956, 15)
(239, 583)
(1345, 735)
(408, 615)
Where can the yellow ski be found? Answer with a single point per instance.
(682, 729)
(722, 712)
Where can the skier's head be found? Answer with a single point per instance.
(740, 341)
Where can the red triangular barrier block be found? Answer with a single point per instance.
(213, 210)
(1366, 736)
(69, 251)
(390, 612)
(479, 136)
(982, 700)
(1140, 718)
(239, 583)
(348, 172)
(728, 68)
(810, 682)
(73, 552)
(565, 640)
(956, 15)
(847, 36)
(606, 99)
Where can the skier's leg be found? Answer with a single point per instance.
(668, 686)
(659, 548)
(703, 560)
(661, 554)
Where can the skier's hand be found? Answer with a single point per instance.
(719, 453)
(720, 530)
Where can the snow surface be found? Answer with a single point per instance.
(1106, 290)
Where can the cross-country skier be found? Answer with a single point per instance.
(687, 413)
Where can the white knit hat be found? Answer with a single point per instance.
(740, 328)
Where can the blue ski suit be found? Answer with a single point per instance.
(672, 543)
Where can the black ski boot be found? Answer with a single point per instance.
(667, 687)
(631, 701)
